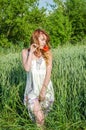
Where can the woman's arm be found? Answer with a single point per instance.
(47, 77)
(27, 56)
(26, 59)
(48, 71)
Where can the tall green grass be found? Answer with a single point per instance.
(69, 82)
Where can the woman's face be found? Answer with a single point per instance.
(42, 40)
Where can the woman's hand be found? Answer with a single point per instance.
(33, 47)
(42, 94)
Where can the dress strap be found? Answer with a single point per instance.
(28, 51)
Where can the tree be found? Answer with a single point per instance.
(18, 19)
(76, 11)
(58, 25)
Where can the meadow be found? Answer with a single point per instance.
(69, 82)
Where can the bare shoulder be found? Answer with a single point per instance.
(24, 51)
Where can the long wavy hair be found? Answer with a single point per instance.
(34, 39)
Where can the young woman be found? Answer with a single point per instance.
(37, 62)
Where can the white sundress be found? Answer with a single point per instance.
(35, 78)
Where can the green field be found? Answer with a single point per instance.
(69, 82)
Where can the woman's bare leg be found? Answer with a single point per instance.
(38, 113)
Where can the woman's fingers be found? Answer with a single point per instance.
(41, 98)
(33, 47)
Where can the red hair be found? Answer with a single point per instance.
(34, 39)
(36, 34)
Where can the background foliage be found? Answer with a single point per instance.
(65, 23)
(69, 82)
